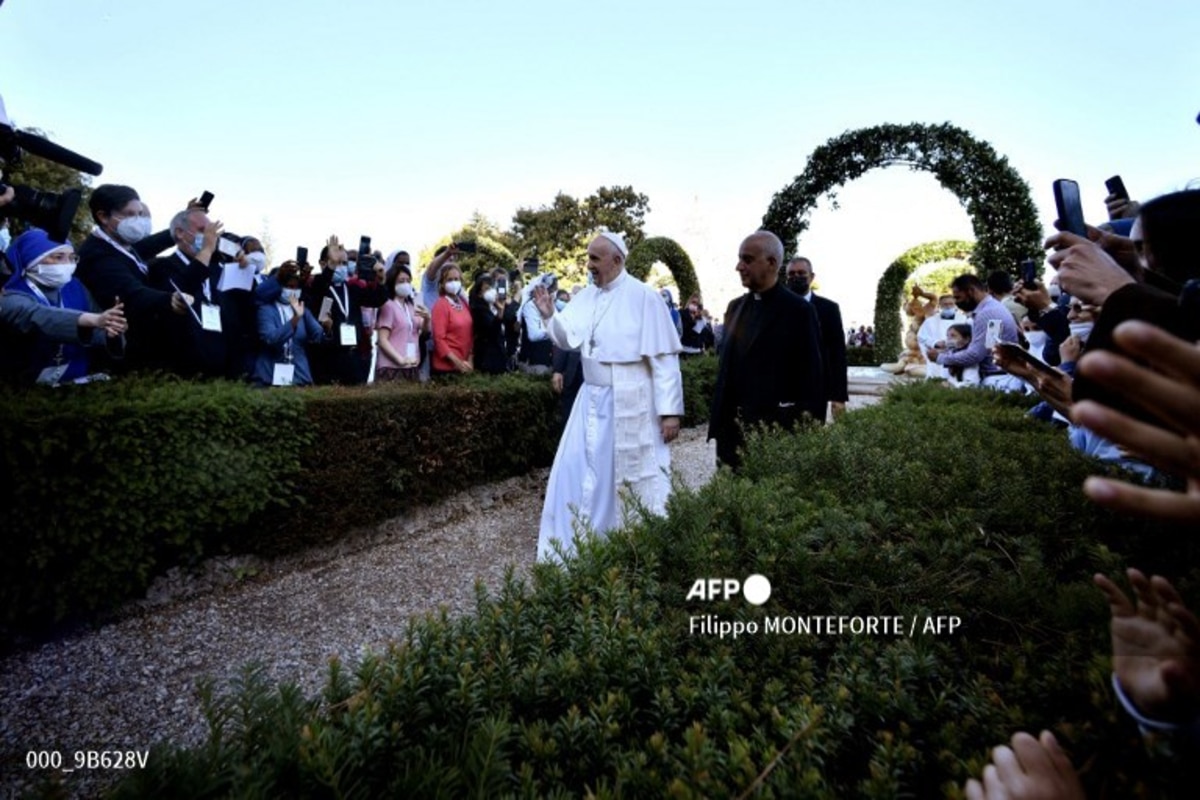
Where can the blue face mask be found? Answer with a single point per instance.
(560, 304)
(198, 242)
(289, 295)
(947, 313)
(340, 274)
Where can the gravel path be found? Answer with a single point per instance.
(131, 684)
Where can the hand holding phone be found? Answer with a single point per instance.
(1029, 273)
(301, 255)
(206, 200)
(1070, 209)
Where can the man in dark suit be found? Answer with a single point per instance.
(770, 370)
(833, 341)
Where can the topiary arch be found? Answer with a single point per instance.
(997, 199)
(889, 295)
(660, 248)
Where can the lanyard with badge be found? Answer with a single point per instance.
(346, 334)
(210, 312)
(285, 373)
(410, 349)
(52, 374)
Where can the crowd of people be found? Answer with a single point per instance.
(213, 307)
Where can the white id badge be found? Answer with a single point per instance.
(210, 317)
(347, 335)
(284, 375)
(410, 351)
(52, 375)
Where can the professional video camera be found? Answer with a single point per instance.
(47, 210)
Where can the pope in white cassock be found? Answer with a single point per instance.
(628, 408)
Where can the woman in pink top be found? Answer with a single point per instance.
(453, 332)
(401, 322)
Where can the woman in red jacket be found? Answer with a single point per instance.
(453, 332)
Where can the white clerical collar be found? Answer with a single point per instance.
(608, 287)
(808, 296)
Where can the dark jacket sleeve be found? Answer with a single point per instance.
(807, 361)
(833, 347)
(108, 275)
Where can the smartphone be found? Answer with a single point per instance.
(364, 245)
(466, 247)
(301, 255)
(1070, 210)
(1029, 273)
(502, 286)
(1018, 353)
(1116, 187)
(206, 200)
(993, 333)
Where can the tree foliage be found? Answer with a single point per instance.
(558, 234)
(47, 176)
(995, 196)
(492, 251)
(661, 249)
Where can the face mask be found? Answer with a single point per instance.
(404, 290)
(1037, 341)
(1081, 329)
(968, 305)
(490, 296)
(133, 229)
(257, 260)
(340, 273)
(947, 313)
(197, 242)
(953, 345)
(560, 304)
(5, 238)
(1055, 291)
(798, 285)
(52, 276)
(290, 294)
(453, 288)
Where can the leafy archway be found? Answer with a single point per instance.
(995, 196)
(889, 295)
(660, 248)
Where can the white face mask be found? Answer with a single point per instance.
(490, 296)
(134, 229)
(1055, 291)
(453, 288)
(1037, 341)
(1081, 329)
(52, 276)
(404, 290)
(5, 238)
(257, 260)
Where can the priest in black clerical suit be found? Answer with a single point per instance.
(770, 370)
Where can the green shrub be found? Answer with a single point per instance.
(111, 484)
(699, 382)
(588, 680)
(862, 357)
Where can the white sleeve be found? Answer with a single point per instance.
(668, 385)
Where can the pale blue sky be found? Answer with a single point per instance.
(398, 119)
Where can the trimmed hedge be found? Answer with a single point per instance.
(591, 681)
(862, 357)
(111, 484)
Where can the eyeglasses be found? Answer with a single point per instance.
(60, 258)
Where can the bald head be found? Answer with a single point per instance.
(605, 261)
(759, 259)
